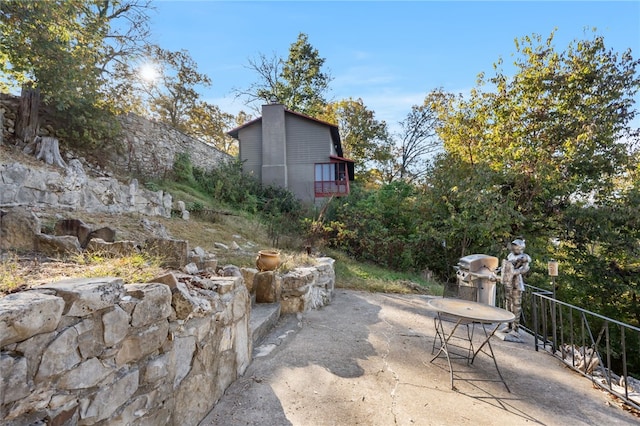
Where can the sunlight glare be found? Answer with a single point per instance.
(148, 72)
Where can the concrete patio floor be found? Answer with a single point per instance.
(365, 360)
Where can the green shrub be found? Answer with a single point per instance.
(87, 126)
(195, 207)
(183, 169)
(152, 186)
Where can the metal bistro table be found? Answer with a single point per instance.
(467, 313)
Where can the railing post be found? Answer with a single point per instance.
(534, 307)
(624, 362)
(554, 324)
(553, 273)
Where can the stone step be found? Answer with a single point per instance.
(264, 317)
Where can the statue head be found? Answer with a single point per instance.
(518, 246)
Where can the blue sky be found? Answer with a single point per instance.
(390, 54)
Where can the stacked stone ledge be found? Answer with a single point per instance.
(71, 189)
(96, 351)
(152, 147)
(299, 290)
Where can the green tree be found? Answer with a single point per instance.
(125, 43)
(555, 130)
(566, 114)
(305, 84)
(601, 251)
(463, 211)
(515, 163)
(209, 123)
(364, 139)
(174, 95)
(376, 225)
(171, 96)
(298, 82)
(68, 50)
(462, 125)
(55, 46)
(553, 148)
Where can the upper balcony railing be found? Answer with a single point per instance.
(600, 348)
(329, 188)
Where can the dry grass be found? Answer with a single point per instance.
(12, 276)
(136, 268)
(221, 229)
(18, 273)
(27, 270)
(290, 261)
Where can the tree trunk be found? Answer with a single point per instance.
(27, 120)
(48, 150)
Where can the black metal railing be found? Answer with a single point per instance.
(600, 348)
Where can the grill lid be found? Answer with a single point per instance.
(475, 262)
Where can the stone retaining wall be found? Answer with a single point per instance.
(149, 151)
(96, 351)
(149, 148)
(299, 290)
(99, 352)
(49, 187)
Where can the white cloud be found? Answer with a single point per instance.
(362, 76)
(359, 55)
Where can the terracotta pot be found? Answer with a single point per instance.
(268, 260)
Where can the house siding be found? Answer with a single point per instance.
(251, 150)
(308, 143)
(282, 148)
(274, 146)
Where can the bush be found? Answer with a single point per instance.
(183, 169)
(277, 207)
(87, 127)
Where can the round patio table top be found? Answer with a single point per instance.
(471, 310)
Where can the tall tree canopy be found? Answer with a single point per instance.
(85, 58)
(174, 94)
(70, 51)
(209, 123)
(556, 130)
(547, 153)
(299, 82)
(67, 48)
(171, 95)
(418, 140)
(305, 83)
(364, 138)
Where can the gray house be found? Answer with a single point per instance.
(296, 152)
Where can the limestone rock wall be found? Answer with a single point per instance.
(307, 288)
(150, 148)
(98, 352)
(299, 290)
(71, 189)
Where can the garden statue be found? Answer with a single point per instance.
(513, 267)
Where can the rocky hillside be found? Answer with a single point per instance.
(225, 236)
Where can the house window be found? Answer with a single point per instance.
(331, 179)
